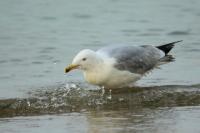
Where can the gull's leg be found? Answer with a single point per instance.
(110, 95)
(102, 90)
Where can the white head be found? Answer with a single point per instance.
(84, 60)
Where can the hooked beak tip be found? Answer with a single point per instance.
(67, 70)
(71, 67)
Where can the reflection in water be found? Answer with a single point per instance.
(145, 120)
(165, 120)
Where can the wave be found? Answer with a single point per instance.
(77, 97)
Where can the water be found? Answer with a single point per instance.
(165, 120)
(39, 38)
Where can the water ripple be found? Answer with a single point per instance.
(180, 32)
(82, 16)
(3, 61)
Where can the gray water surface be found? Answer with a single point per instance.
(39, 38)
(161, 120)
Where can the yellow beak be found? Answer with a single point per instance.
(71, 67)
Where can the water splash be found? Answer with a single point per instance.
(75, 97)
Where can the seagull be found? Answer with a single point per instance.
(120, 66)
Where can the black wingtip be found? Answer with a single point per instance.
(176, 41)
(167, 47)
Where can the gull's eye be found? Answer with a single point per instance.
(84, 59)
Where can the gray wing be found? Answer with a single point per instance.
(136, 59)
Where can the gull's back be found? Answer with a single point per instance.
(135, 59)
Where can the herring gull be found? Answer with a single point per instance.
(120, 66)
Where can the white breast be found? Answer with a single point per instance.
(100, 72)
(106, 75)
